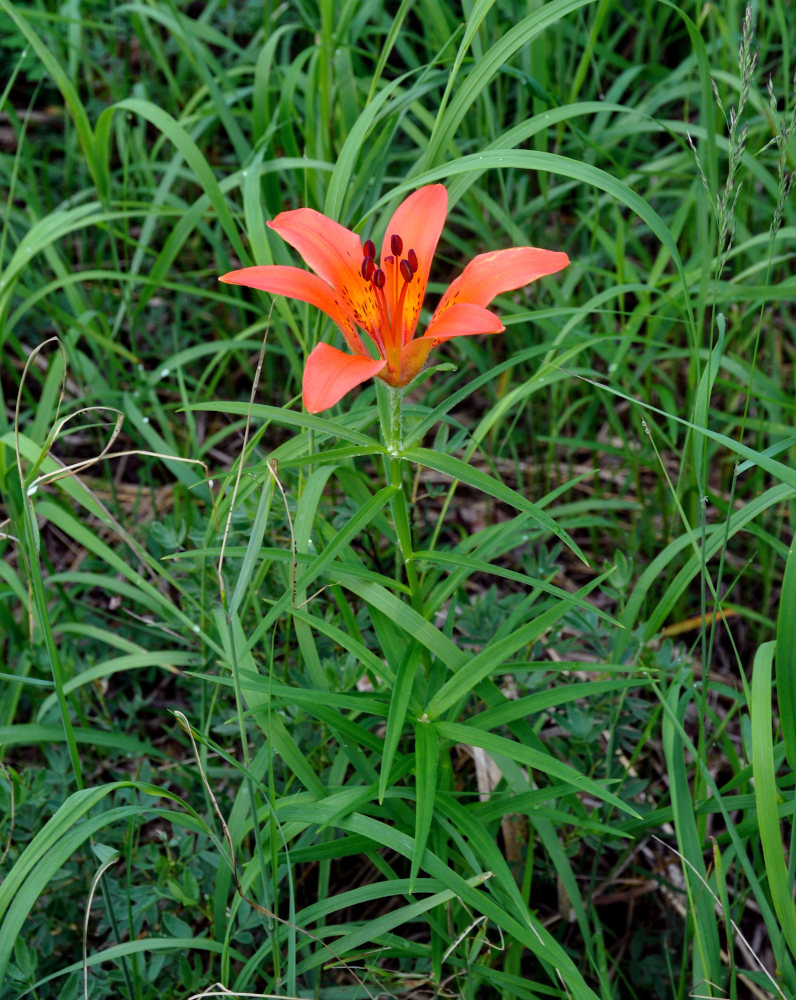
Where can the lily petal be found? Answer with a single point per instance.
(489, 274)
(413, 357)
(418, 221)
(329, 374)
(462, 319)
(335, 254)
(299, 284)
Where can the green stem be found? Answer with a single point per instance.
(392, 433)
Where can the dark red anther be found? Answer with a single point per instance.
(378, 278)
(367, 268)
(412, 259)
(406, 270)
(369, 249)
(396, 244)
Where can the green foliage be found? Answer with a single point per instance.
(284, 711)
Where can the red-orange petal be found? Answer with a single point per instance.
(462, 319)
(418, 220)
(335, 254)
(413, 357)
(489, 274)
(296, 283)
(329, 374)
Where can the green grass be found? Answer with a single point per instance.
(508, 716)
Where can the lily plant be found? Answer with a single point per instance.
(376, 301)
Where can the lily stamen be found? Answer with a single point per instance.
(378, 280)
(398, 316)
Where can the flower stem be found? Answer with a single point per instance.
(392, 433)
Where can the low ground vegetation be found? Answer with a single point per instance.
(293, 704)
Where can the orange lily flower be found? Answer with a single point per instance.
(383, 298)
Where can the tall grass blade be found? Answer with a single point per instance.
(764, 760)
(786, 658)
